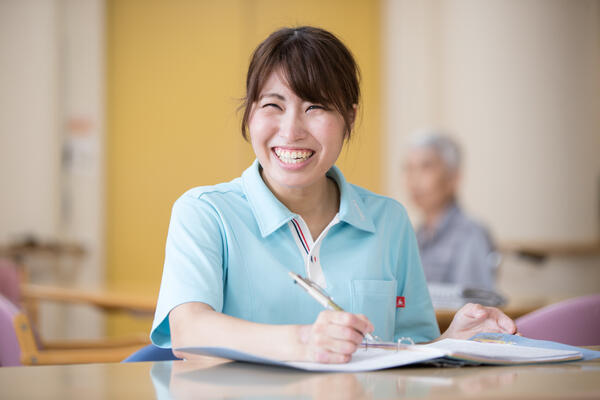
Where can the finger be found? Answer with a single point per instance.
(326, 316)
(501, 321)
(335, 338)
(496, 321)
(341, 347)
(475, 311)
(323, 342)
(371, 328)
(341, 332)
(361, 324)
(328, 357)
(505, 322)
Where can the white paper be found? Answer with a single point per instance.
(499, 352)
(362, 360)
(372, 359)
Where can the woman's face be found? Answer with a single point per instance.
(295, 141)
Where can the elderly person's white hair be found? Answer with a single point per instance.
(440, 142)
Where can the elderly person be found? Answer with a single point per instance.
(454, 248)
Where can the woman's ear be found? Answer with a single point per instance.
(352, 115)
(250, 116)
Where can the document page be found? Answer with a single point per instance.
(369, 359)
(500, 353)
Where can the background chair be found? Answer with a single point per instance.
(18, 345)
(19, 298)
(151, 353)
(10, 351)
(10, 281)
(574, 321)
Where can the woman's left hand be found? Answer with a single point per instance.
(472, 319)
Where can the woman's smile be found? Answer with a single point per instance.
(292, 157)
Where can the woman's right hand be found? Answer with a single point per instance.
(333, 337)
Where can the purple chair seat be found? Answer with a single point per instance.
(10, 351)
(575, 322)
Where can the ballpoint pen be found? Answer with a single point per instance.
(317, 293)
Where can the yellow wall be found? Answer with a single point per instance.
(176, 70)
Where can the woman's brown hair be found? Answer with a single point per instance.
(315, 64)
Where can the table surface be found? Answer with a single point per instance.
(214, 378)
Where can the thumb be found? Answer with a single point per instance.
(507, 324)
(475, 311)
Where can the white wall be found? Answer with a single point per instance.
(29, 119)
(51, 144)
(518, 83)
(82, 80)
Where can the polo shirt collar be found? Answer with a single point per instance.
(352, 208)
(271, 214)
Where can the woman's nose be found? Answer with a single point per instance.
(292, 126)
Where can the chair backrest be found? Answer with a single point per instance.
(10, 288)
(10, 351)
(574, 321)
(9, 281)
(151, 353)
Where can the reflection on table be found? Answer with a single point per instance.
(214, 378)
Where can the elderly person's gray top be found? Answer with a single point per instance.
(458, 251)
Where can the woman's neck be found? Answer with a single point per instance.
(316, 204)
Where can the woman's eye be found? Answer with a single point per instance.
(315, 107)
(271, 105)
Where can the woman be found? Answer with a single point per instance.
(230, 245)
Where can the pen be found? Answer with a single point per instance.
(317, 293)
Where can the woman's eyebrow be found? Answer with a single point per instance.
(277, 95)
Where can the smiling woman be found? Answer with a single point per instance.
(230, 246)
(296, 143)
(302, 93)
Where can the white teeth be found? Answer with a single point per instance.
(293, 157)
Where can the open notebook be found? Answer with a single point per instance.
(447, 351)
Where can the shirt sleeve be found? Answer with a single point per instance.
(193, 269)
(415, 317)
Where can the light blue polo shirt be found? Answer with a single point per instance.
(230, 246)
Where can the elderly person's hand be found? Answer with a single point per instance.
(472, 319)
